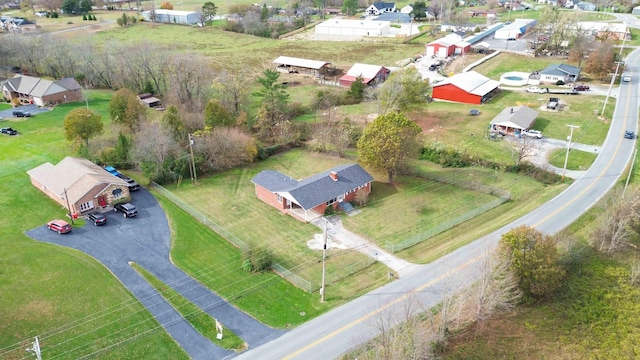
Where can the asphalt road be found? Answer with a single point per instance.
(354, 323)
(145, 240)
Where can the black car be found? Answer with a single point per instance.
(629, 134)
(433, 67)
(127, 209)
(133, 185)
(20, 113)
(8, 131)
(97, 219)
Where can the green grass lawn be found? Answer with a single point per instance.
(578, 160)
(70, 300)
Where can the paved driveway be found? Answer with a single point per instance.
(145, 240)
(33, 109)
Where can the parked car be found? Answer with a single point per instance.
(581, 88)
(532, 133)
(127, 209)
(629, 134)
(133, 185)
(8, 131)
(21, 113)
(626, 78)
(553, 103)
(97, 219)
(59, 226)
(433, 67)
(535, 89)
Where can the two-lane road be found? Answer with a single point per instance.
(347, 326)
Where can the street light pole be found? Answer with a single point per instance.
(193, 163)
(566, 158)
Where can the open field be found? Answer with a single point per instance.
(578, 160)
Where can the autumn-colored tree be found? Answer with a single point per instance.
(215, 115)
(82, 124)
(166, 5)
(534, 261)
(403, 90)
(601, 61)
(125, 109)
(388, 142)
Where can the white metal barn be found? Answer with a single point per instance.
(172, 16)
(353, 27)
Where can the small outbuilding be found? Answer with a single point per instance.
(513, 120)
(469, 87)
(289, 65)
(307, 199)
(449, 45)
(79, 185)
(370, 74)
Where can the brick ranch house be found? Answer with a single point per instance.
(308, 198)
(79, 185)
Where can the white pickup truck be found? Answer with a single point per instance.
(532, 133)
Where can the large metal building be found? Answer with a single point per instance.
(353, 27)
(172, 16)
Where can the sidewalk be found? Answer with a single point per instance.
(340, 238)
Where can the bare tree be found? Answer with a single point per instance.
(153, 147)
(190, 79)
(232, 90)
(615, 222)
(522, 148)
(225, 148)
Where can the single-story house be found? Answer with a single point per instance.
(308, 198)
(380, 8)
(33, 90)
(606, 31)
(79, 185)
(469, 87)
(347, 27)
(370, 74)
(17, 25)
(482, 13)
(287, 64)
(585, 6)
(513, 120)
(514, 30)
(559, 72)
(172, 16)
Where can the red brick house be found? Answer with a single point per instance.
(42, 92)
(308, 198)
(79, 185)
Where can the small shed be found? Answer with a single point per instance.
(371, 74)
(444, 46)
(294, 65)
(514, 119)
(149, 100)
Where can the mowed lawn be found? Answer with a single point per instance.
(71, 301)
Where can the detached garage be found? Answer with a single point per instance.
(353, 27)
(469, 88)
(443, 47)
(371, 74)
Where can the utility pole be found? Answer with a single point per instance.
(193, 163)
(66, 198)
(324, 257)
(630, 172)
(35, 349)
(613, 79)
(566, 158)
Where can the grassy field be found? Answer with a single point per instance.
(578, 160)
(70, 300)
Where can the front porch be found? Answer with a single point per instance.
(303, 215)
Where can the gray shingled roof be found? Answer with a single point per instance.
(517, 117)
(316, 189)
(561, 70)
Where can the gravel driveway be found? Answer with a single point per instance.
(145, 240)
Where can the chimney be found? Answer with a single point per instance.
(333, 175)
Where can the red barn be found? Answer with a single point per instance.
(371, 74)
(469, 88)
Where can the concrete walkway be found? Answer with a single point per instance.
(341, 238)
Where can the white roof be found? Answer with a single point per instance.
(305, 63)
(172, 12)
(365, 70)
(448, 40)
(612, 27)
(357, 24)
(471, 82)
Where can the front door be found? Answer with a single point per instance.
(102, 201)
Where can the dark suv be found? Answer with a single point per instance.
(20, 113)
(97, 219)
(127, 209)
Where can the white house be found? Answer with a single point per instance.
(381, 8)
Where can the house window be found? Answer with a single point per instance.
(116, 193)
(332, 201)
(279, 197)
(86, 206)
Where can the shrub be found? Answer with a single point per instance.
(257, 259)
(54, 15)
(84, 17)
(559, 82)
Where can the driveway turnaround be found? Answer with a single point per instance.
(33, 109)
(145, 240)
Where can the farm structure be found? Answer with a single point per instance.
(353, 27)
(370, 74)
(449, 45)
(172, 16)
(515, 30)
(287, 64)
(469, 88)
(307, 199)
